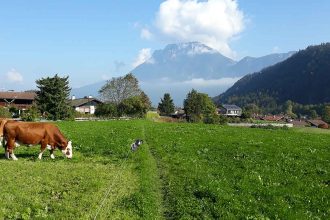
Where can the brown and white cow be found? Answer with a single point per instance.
(33, 133)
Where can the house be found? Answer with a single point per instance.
(19, 100)
(299, 123)
(318, 123)
(86, 105)
(230, 110)
(273, 118)
(179, 113)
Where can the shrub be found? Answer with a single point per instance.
(4, 112)
(108, 110)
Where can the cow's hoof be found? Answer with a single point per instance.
(14, 157)
(52, 156)
(7, 155)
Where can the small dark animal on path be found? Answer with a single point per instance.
(136, 144)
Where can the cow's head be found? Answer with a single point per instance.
(67, 150)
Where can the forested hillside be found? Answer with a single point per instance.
(303, 78)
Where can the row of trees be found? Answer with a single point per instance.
(198, 107)
(292, 109)
(122, 97)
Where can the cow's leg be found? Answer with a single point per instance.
(42, 149)
(51, 150)
(52, 153)
(10, 149)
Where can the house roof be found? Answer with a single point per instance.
(82, 101)
(18, 95)
(317, 122)
(231, 107)
(299, 122)
(272, 117)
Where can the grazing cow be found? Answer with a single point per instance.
(32, 133)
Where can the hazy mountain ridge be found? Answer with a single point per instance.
(187, 61)
(175, 69)
(303, 78)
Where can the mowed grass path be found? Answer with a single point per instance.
(182, 171)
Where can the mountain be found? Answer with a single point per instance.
(180, 67)
(194, 60)
(183, 61)
(88, 90)
(303, 78)
(254, 64)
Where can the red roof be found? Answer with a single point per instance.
(18, 95)
(273, 117)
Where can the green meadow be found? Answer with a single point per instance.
(182, 171)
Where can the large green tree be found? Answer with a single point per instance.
(52, 97)
(200, 107)
(118, 89)
(166, 105)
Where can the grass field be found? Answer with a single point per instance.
(182, 171)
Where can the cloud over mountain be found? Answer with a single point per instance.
(143, 56)
(212, 22)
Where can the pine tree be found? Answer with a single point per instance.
(166, 106)
(52, 97)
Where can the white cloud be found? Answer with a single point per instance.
(105, 77)
(276, 49)
(179, 89)
(212, 22)
(145, 34)
(144, 56)
(14, 76)
(196, 82)
(212, 82)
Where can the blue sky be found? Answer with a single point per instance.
(95, 40)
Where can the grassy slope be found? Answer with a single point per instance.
(181, 171)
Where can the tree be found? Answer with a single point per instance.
(145, 100)
(118, 89)
(52, 97)
(313, 114)
(288, 106)
(133, 107)
(326, 114)
(166, 105)
(199, 107)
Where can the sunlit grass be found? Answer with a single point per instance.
(182, 171)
